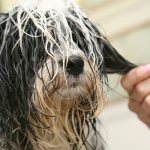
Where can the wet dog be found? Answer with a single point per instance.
(53, 65)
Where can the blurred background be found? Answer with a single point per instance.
(126, 23)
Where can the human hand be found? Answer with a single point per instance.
(137, 84)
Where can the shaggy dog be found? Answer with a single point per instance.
(53, 65)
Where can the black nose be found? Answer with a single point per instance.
(75, 65)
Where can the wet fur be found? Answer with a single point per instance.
(35, 111)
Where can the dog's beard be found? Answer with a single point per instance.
(64, 103)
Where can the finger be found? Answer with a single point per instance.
(144, 112)
(145, 119)
(141, 90)
(135, 76)
(145, 106)
(134, 106)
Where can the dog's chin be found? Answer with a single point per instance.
(71, 92)
(74, 85)
(75, 88)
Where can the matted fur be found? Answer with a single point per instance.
(42, 105)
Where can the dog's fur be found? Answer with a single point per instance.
(44, 103)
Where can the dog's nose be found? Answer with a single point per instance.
(75, 65)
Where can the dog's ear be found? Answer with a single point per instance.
(2, 26)
(16, 81)
(113, 61)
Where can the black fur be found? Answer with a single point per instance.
(19, 67)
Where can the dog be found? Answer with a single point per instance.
(53, 66)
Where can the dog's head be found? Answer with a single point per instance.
(53, 65)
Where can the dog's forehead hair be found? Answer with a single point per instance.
(63, 31)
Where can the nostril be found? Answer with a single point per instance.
(75, 65)
(75, 61)
(61, 62)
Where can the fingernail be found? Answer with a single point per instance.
(147, 68)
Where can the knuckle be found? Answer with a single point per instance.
(141, 117)
(146, 102)
(144, 119)
(134, 106)
(124, 83)
(130, 106)
(136, 73)
(139, 89)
